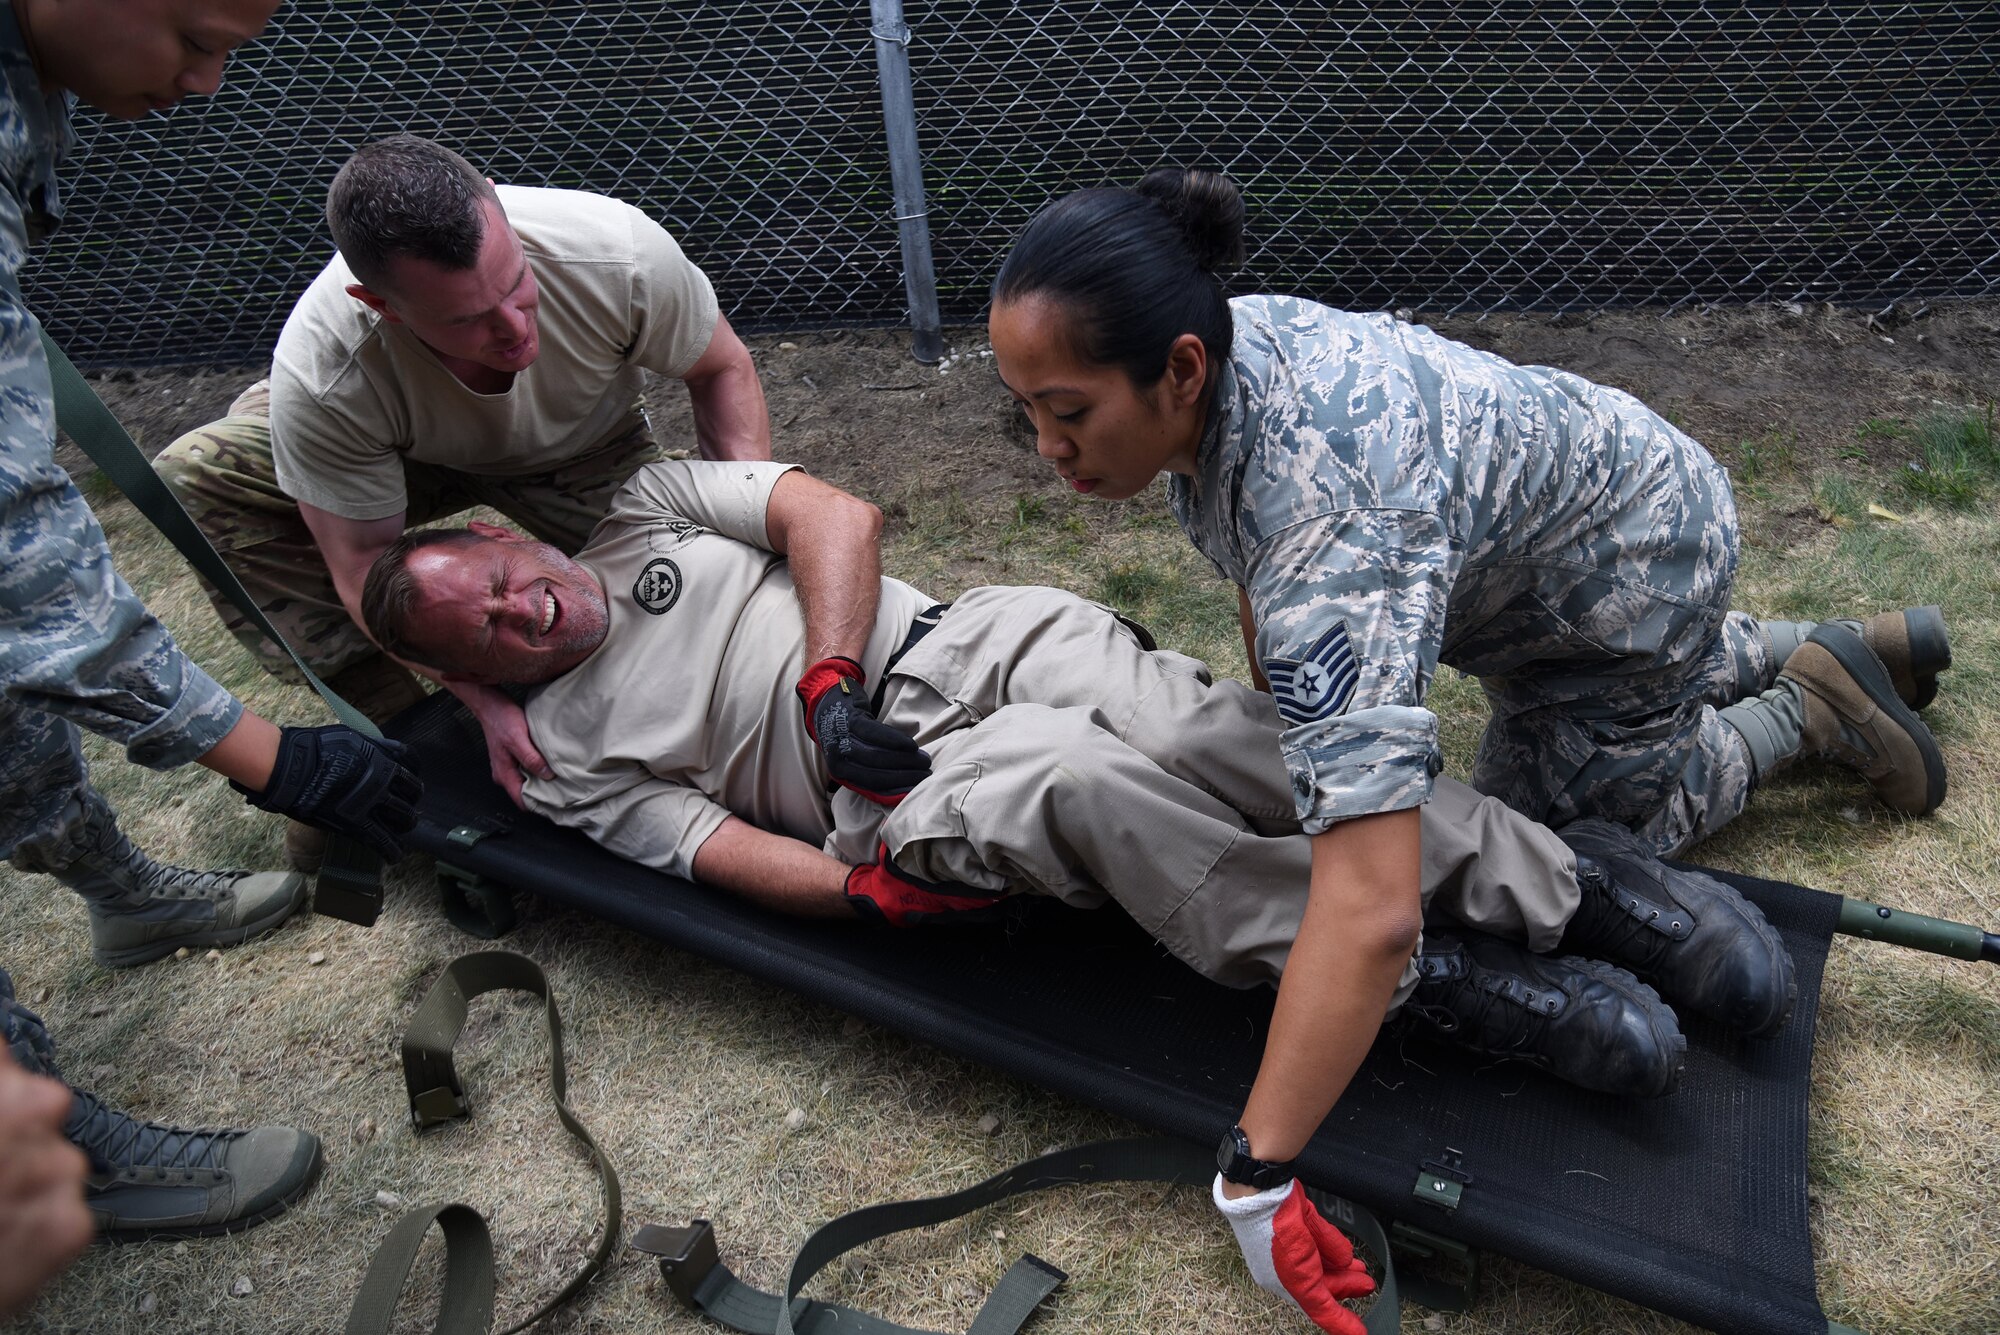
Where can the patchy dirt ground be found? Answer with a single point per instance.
(853, 407)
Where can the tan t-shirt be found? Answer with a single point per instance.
(686, 713)
(352, 395)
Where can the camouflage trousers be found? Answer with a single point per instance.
(1621, 726)
(26, 1037)
(44, 783)
(223, 474)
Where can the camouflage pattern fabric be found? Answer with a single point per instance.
(1392, 500)
(26, 1037)
(223, 474)
(76, 645)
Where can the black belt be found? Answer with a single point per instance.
(924, 623)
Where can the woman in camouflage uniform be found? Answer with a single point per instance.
(1386, 500)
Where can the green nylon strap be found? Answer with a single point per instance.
(467, 1305)
(691, 1269)
(350, 878)
(438, 1095)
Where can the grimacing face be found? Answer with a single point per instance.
(130, 58)
(506, 609)
(1106, 436)
(485, 315)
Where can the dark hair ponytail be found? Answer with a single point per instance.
(1135, 268)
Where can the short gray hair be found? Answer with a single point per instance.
(406, 197)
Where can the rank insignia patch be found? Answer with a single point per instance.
(1319, 685)
(658, 586)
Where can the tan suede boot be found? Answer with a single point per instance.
(142, 910)
(1835, 699)
(1913, 645)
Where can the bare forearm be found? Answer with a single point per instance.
(782, 874)
(247, 753)
(832, 542)
(1360, 924)
(730, 418)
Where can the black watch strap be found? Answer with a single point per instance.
(1233, 1160)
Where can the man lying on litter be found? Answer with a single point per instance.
(1022, 741)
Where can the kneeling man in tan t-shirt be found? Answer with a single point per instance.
(468, 345)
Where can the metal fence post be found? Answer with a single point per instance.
(906, 173)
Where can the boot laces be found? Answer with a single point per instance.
(1619, 934)
(1514, 1027)
(118, 1140)
(160, 880)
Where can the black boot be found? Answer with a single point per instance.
(153, 1181)
(1585, 1021)
(1704, 945)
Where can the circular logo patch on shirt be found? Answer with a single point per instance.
(658, 586)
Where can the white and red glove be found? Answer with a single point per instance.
(1294, 1252)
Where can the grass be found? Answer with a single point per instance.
(687, 1071)
(1957, 459)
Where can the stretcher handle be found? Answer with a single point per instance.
(1900, 927)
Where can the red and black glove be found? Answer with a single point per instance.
(882, 892)
(862, 752)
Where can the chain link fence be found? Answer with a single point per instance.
(1435, 155)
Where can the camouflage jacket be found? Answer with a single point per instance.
(1357, 472)
(74, 639)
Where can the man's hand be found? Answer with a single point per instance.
(882, 892)
(43, 1222)
(862, 753)
(509, 749)
(1293, 1252)
(340, 780)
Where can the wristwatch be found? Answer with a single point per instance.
(1232, 1159)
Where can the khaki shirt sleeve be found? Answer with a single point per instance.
(729, 497)
(673, 305)
(652, 822)
(326, 458)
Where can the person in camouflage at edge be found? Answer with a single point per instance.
(1387, 500)
(77, 647)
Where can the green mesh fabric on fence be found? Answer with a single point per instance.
(1436, 155)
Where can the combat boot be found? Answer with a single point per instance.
(148, 1180)
(380, 688)
(1584, 1021)
(1835, 699)
(1707, 948)
(1912, 644)
(141, 910)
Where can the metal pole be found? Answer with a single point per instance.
(1959, 940)
(906, 173)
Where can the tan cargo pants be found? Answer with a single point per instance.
(223, 474)
(1069, 760)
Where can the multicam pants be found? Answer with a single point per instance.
(223, 474)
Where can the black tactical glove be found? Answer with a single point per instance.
(340, 780)
(862, 752)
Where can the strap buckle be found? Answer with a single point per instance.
(434, 1107)
(686, 1255)
(350, 883)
